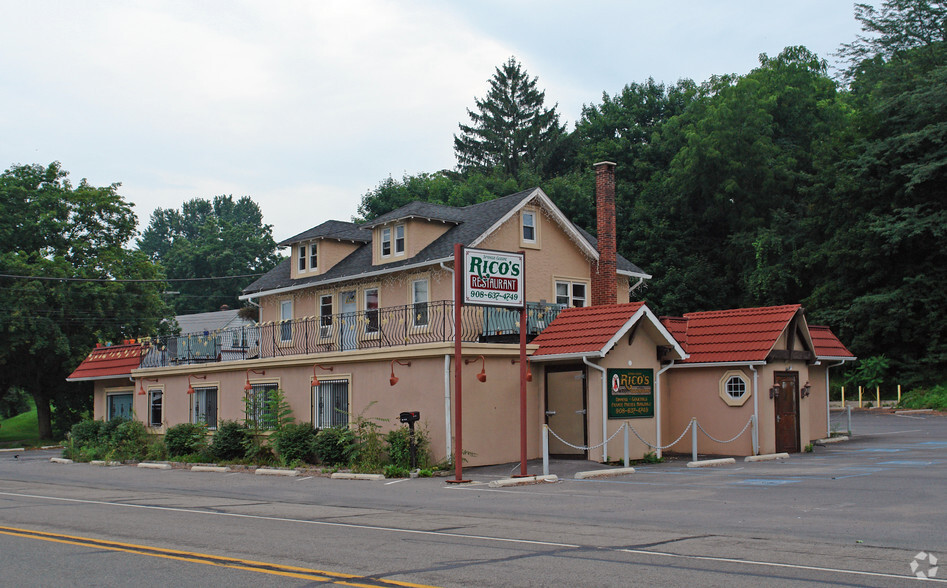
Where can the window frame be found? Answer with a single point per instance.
(724, 388)
(200, 397)
(130, 392)
(318, 414)
(570, 287)
(420, 308)
(301, 257)
(399, 241)
(532, 225)
(386, 241)
(313, 256)
(371, 314)
(261, 416)
(285, 324)
(156, 394)
(325, 319)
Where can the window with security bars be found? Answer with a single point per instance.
(330, 404)
(260, 410)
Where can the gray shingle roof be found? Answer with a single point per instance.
(331, 229)
(472, 221)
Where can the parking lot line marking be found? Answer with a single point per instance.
(777, 565)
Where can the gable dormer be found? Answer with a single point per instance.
(403, 233)
(316, 251)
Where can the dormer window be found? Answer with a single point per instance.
(302, 258)
(399, 239)
(386, 242)
(313, 257)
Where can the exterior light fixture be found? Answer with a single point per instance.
(482, 376)
(190, 389)
(248, 386)
(774, 392)
(314, 381)
(394, 379)
(806, 390)
(529, 373)
(141, 387)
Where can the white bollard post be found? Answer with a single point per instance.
(545, 450)
(756, 436)
(693, 438)
(849, 420)
(626, 444)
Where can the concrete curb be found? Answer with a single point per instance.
(709, 463)
(102, 462)
(508, 482)
(155, 466)
(275, 472)
(766, 457)
(59, 460)
(603, 473)
(351, 476)
(833, 440)
(915, 411)
(13, 449)
(221, 469)
(51, 447)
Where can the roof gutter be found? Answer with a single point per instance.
(719, 364)
(564, 356)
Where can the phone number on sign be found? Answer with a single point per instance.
(505, 296)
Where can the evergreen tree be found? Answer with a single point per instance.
(511, 129)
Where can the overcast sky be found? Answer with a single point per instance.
(307, 105)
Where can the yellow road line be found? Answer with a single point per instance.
(208, 559)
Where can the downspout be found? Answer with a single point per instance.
(657, 407)
(631, 289)
(601, 370)
(756, 410)
(447, 374)
(828, 410)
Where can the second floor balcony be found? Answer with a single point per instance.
(431, 322)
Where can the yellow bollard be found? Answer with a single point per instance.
(878, 395)
(859, 397)
(899, 393)
(843, 396)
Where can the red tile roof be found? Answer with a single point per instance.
(108, 362)
(741, 334)
(826, 344)
(584, 330)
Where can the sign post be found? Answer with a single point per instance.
(488, 278)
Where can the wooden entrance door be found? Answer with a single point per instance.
(565, 410)
(787, 412)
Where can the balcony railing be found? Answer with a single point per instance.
(431, 322)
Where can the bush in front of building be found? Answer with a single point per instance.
(129, 440)
(186, 439)
(334, 445)
(116, 440)
(398, 446)
(230, 441)
(934, 397)
(295, 444)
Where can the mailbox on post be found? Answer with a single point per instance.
(411, 417)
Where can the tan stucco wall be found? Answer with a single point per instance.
(559, 257)
(490, 409)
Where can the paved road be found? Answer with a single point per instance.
(855, 513)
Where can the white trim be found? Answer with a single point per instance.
(834, 358)
(633, 275)
(719, 364)
(560, 218)
(560, 356)
(644, 311)
(114, 377)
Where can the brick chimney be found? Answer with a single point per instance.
(605, 276)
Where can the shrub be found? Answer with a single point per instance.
(86, 433)
(230, 441)
(396, 471)
(185, 439)
(398, 442)
(294, 442)
(934, 397)
(129, 440)
(334, 446)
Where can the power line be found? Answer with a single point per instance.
(120, 281)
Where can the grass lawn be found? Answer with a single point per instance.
(20, 431)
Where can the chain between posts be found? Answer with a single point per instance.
(731, 440)
(662, 447)
(585, 447)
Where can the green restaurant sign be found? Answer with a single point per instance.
(630, 393)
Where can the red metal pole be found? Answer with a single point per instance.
(523, 369)
(458, 362)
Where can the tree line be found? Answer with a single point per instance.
(782, 185)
